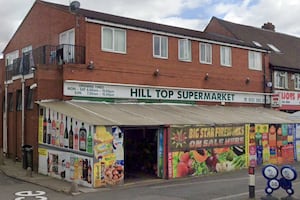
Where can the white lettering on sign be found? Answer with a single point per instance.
(37, 195)
(106, 90)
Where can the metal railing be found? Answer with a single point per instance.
(45, 55)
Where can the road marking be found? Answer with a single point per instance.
(37, 195)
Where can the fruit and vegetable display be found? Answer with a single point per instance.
(204, 161)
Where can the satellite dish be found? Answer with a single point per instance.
(74, 6)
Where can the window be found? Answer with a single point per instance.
(205, 53)
(26, 60)
(281, 80)
(10, 57)
(10, 102)
(113, 40)
(160, 46)
(184, 50)
(274, 48)
(226, 56)
(29, 98)
(297, 81)
(254, 60)
(19, 100)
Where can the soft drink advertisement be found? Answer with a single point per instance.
(201, 150)
(109, 156)
(270, 143)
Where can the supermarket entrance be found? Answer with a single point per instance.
(140, 149)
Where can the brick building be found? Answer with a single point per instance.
(74, 77)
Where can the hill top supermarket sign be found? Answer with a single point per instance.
(108, 90)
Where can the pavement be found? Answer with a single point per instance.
(15, 170)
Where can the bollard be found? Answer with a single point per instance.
(251, 172)
(74, 188)
(29, 172)
(1, 157)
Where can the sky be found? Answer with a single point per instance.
(192, 14)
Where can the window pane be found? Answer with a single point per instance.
(107, 41)
(164, 47)
(156, 46)
(119, 41)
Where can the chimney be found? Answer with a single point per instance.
(268, 26)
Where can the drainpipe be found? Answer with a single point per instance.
(23, 112)
(5, 120)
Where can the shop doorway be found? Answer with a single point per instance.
(140, 149)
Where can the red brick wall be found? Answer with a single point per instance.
(138, 64)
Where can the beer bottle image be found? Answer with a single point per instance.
(61, 132)
(71, 135)
(44, 127)
(49, 128)
(82, 138)
(76, 137)
(66, 135)
(53, 129)
(57, 130)
(90, 141)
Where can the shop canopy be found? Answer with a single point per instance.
(137, 114)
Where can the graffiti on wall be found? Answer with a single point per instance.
(201, 150)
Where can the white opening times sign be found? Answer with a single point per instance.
(106, 90)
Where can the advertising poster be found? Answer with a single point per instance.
(160, 157)
(109, 156)
(202, 150)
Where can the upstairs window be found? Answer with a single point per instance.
(113, 40)
(10, 57)
(254, 60)
(225, 56)
(184, 50)
(297, 81)
(29, 98)
(19, 100)
(160, 46)
(281, 80)
(205, 53)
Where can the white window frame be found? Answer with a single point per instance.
(205, 53)
(281, 80)
(161, 46)
(297, 81)
(254, 60)
(114, 48)
(185, 50)
(225, 56)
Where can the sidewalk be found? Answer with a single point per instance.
(15, 170)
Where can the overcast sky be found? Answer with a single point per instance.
(194, 14)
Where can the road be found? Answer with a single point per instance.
(13, 189)
(231, 185)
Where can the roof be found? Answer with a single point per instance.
(289, 46)
(99, 113)
(153, 26)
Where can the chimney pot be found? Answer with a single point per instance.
(268, 26)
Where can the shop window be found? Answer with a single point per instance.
(225, 56)
(281, 80)
(254, 60)
(160, 46)
(205, 53)
(113, 40)
(184, 50)
(19, 100)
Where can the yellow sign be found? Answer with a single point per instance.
(43, 152)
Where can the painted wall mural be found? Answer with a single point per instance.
(269, 143)
(197, 150)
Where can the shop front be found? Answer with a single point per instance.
(98, 144)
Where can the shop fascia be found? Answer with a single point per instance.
(124, 91)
